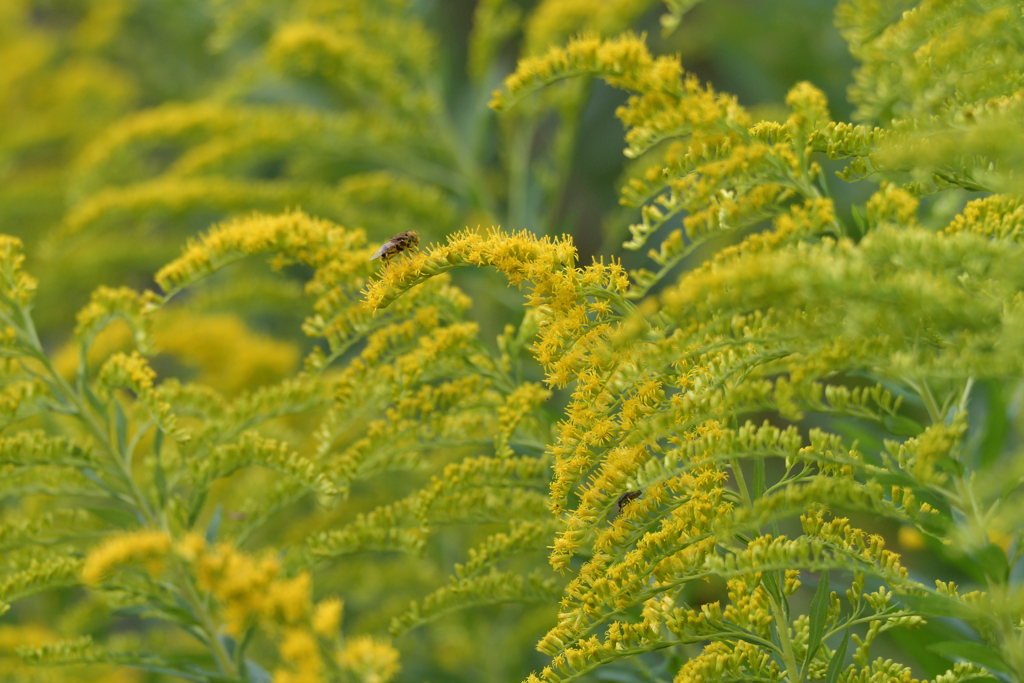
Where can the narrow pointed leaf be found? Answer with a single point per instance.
(213, 527)
(818, 615)
(978, 653)
(759, 479)
(121, 429)
(835, 667)
(256, 673)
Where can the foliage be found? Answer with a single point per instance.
(716, 451)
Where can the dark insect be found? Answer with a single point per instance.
(403, 241)
(626, 497)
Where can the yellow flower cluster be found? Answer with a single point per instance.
(250, 591)
(17, 287)
(295, 235)
(390, 68)
(553, 22)
(370, 660)
(149, 547)
(998, 217)
(927, 61)
(558, 290)
(624, 59)
(656, 477)
(107, 304)
(248, 587)
(133, 372)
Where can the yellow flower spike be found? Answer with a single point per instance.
(299, 648)
(370, 660)
(107, 304)
(289, 601)
(327, 617)
(133, 372)
(891, 204)
(311, 241)
(146, 546)
(16, 284)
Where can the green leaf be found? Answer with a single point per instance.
(90, 474)
(770, 580)
(196, 507)
(214, 526)
(674, 664)
(187, 609)
(741, 633)
(121, 429)
(818, 615)
(256, 673)
(859, 222)
(950, 466)
(835, 667)
(759, 479)
(992, 561)
(901, 426)
(997, 425)
(243, 644)
(937, 605)
(773, 632)
(166, 612)
(117, 517)
(228, 643)
(991, 434)
(95, 403)
(158, 669)
(979, 653)
(159, 480)
(772, 585)
(915, 643)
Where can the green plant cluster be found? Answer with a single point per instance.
(783, 447)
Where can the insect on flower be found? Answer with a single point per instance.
(403, 241)
(628, 496)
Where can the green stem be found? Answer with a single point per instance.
(190, 595)
(519, 178)
(198, 606)
(962, 405)
(925, 392)
(88, 420)
(792, 670)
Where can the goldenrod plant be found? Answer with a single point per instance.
(772, 439)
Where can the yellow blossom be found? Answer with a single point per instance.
(327, 617)
(148, 546)
(370, 660)
(911, 539)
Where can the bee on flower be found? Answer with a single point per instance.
(403, 241)
(628, 497)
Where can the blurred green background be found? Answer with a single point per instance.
(74, 68)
